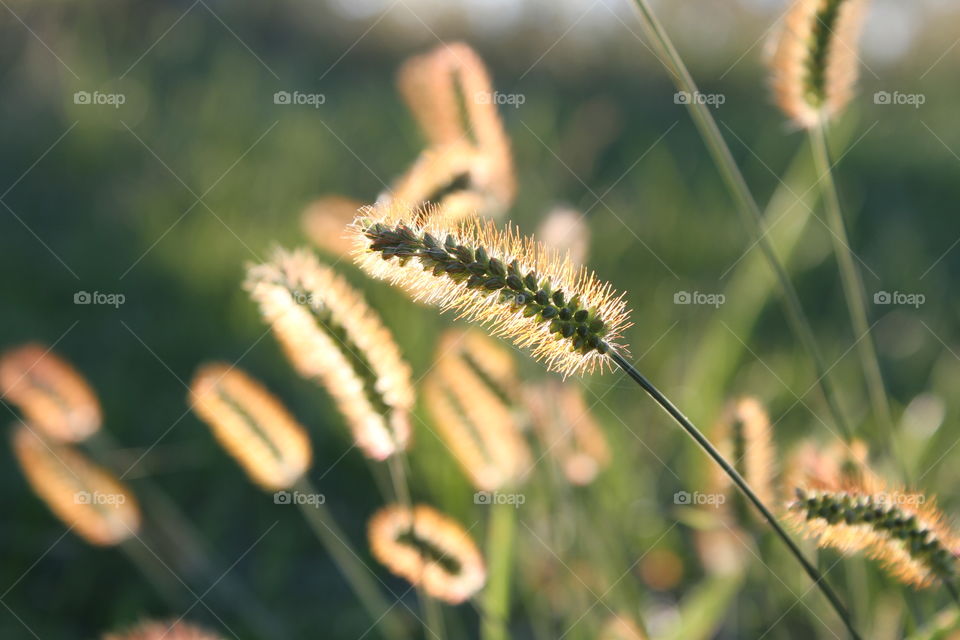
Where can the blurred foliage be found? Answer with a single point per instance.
(166, 198)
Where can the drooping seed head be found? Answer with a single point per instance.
(329, 334)
(251, 424)
(52, 396)
(173, 630)
(476, 421)
(92, 501)
(325, 222)
(428, 548)
(513, 285)
(834, 466)
(903, 531)
(814, 62)
(744, 436)
(567, 430)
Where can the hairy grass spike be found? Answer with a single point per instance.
(903, 531)
(428, 548)
(744, 434)
(515, 286)
(325, 223)
(477, 423)
(329, 334)
(174, 630)
(86, 497)
(53, 397)
(252, 425)
(814, 63)
(834, 466)
(568, 430)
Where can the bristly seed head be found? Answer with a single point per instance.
(515, 286)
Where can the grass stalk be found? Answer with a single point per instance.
(357, 575)
(496, 596)
(852, 282)
(746, 204)
(742, 485)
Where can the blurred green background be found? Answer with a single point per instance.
(168, 196)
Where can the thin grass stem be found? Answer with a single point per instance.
(742, 485)
(496, 595)
(357, 575)
(746, 204)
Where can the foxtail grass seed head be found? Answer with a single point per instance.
(513, 285)
(252, 425)
(428, 548)
(834, 466)
(173, 630)
(325, 222)
(52, 396)
(488, 358)
(814, 62)
(329, 334)
(566, 230)
(744, 435)
(477, 425)
(568, 431)
(621, 627)
(89, 499)
(903, 531)
(453, 100)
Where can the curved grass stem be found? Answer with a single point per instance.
(357, 574)
(852, 282)
(742, 485)
(496, 596)
(746, 204)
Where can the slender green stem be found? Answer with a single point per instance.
(433, 622)
(746, 205)
(356, 573)
(496, 595)
(852, 282)
(742, 485)
(158, 575)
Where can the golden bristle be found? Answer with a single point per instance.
(252, 425)
(428, 548)
(325, 222)
(86, 497)
(450, 94)
(568, 431)
(476, 423)
(903, 531)
(52, 396)
(814, 63)
(329, 334)
(621, 627)
(835, 466)
(175, 630)
(566, 231)
(515, 286)
(488, 357)
(744, 436)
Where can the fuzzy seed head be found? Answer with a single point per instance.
(814, 63)
(568, 430)
(174, 630)
(329, 334)
(903, 531)
(252, 425)
(744, 435)
(513, 285)
(89, 499)
(477, 423)
(52, 396)
(621, 627)
(428, 548)
(325, 222)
